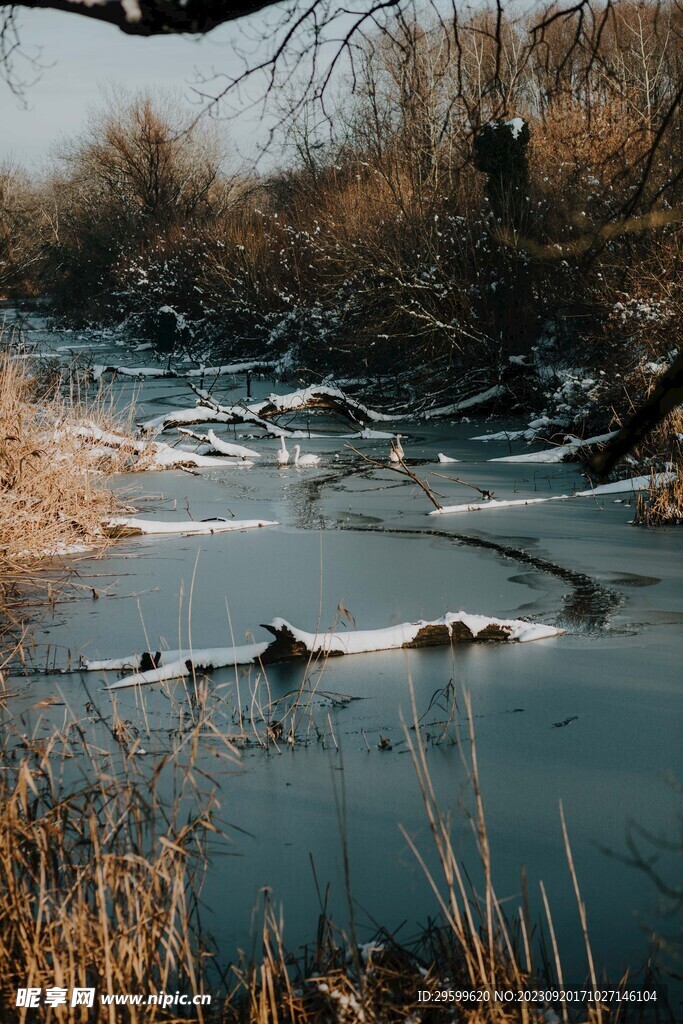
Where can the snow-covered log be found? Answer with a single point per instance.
(157, 456)
(90, 433)
(632, 484)
(483, 506)
(290, 643)
(453, 627)
(157, 667)
(529, 433)
(129, 526)
(479, 401)
(237, 451)
(207, 411)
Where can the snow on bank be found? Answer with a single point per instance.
(150, 455)
(130, 526)
(59, 550)
(446, 458)
(292, 643)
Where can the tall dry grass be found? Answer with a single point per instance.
(50, 481)
(52, 473)
(662, 503)
(100, 874)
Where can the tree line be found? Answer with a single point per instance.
(465, 199)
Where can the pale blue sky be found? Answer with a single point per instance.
(80, 56)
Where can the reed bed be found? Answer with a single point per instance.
(49, 480)
(661, 504)
(100, 872)
(52, 498)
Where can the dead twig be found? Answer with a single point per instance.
(402, 470)
(486, 494)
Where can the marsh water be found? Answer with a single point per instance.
(591, 719)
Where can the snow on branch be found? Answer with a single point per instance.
(630, 485)
(484, 398)
(140, 372)
(259, 414)
(320, 397)
(572, 449)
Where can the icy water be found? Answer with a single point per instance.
(591, 718)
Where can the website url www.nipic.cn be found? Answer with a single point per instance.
(55, 996)
(164, 999)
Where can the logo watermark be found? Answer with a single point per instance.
(54, 996)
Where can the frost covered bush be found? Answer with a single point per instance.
(457, 214)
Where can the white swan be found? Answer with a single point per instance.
(304, 460)
(397, 453)
(283, 454)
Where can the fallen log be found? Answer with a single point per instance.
(206, 411)
(213, 443)
(290, 643)
(480, 402)
(451, 628)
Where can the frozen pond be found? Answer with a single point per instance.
(591, 718)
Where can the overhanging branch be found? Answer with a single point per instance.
(154, 17)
